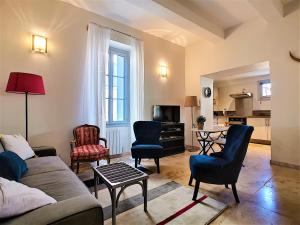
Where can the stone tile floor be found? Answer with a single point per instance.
(268, 194)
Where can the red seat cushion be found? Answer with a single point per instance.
(89, 152)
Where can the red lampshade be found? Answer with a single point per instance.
(25, 83)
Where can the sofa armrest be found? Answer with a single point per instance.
(44, 151)
(84, 209)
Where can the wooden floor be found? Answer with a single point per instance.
(268, 194)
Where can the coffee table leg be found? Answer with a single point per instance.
(95, 185)
(113, 206)
(145, 194)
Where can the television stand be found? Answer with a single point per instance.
(172, 138)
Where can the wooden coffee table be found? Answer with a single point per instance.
(119, 175)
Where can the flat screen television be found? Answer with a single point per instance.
(166, 113)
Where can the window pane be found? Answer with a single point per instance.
(118, 65)
(121, 67)
(118, 87)
(118, 110)
(266, 89)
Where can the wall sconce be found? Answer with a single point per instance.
(39, 43)
(163, 71)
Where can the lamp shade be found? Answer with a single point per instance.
(22, 83)
(190, 101)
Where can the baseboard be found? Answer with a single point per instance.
(288, 165)
(259, 141)
(120, 155)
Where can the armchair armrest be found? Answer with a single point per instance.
(104, 140)
(42, 151)
(83, 209)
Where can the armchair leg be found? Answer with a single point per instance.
(235, 193)
(196, 190)
(135, 162)
(157, 165)
(140, 160)
(226, 186)
(77, 169)
(191, 180)
(98, 163)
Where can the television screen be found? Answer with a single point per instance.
(166, 113)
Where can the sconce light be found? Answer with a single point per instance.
(39, 44)
(163, 72)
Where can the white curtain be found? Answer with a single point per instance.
(94, 108)
(136, 82)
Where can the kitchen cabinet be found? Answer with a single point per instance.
(262, 128)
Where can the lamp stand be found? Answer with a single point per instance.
(191, 149)
(26, 116)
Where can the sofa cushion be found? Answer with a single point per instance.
(17, 198)
(12, 167)
(60, 184)
(44, 164)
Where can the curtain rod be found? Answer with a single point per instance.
(129, 35)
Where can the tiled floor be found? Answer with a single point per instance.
(268, 194)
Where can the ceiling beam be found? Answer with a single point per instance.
(270, 10)
(177, 14)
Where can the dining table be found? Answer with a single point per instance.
(208, 135)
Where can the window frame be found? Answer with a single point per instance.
(126, 55)
(260, 91)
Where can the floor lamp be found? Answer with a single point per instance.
(191, 101)
(28, 84)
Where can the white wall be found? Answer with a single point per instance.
(206, 104)
(53, 116)
(248, 44)
(225, 88)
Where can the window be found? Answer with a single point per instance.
(265, 89)
(117, 87)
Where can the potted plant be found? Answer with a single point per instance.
(200, 122)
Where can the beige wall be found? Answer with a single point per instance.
(251, 43)
(53, 116)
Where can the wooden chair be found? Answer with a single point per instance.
(86, 146)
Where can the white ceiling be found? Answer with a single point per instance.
(224, 13)
(184, 22)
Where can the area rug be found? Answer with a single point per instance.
(168, 203)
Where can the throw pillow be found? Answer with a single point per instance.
(17, 198)
(12, 167)
(17, 144)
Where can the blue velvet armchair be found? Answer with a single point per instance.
(222, 167)
(147, 143)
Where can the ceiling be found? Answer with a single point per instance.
(184, 22)
(234, 12)
(242, 72)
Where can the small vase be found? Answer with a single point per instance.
(200, 126)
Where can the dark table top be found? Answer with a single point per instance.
(119, 174)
